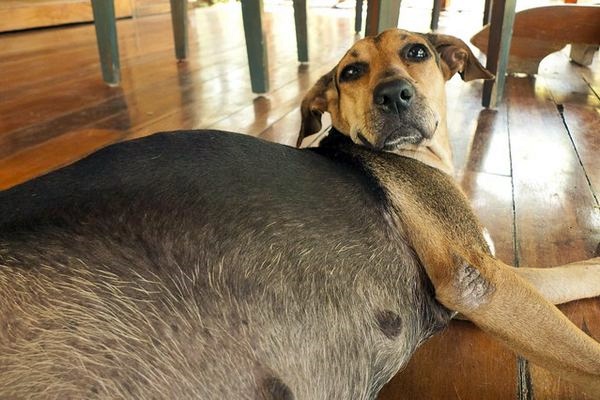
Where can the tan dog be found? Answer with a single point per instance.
(387, 93)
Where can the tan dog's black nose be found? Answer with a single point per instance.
(394, 96)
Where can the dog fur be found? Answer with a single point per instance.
(214, 265)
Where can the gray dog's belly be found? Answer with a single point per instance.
(205, 265)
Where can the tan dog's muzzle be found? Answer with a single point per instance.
(393, 97)
(399, 116)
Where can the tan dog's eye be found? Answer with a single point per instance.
(353, 71)
(416, 52)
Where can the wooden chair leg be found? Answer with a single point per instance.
(358, 16)
(583, 54)
(435, 14)
(252, 11)
(503, 17)
(382, 15)
(300, 11)
(487, 12)
(180, 27)
(106, 36)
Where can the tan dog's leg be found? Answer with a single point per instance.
(558, 285)
(493, 295)
(499, 301)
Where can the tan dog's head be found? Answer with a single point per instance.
(387, 93)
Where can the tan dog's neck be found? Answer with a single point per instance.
(437, 154)
(387, 93)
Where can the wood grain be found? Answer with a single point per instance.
(38, 160)
(460, 363)
(150, 7)
(539, 31)
(582, 123)
(525, 157)
(557, 216)
(27, 14)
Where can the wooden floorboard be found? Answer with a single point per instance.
(582, 124)
(530, 168)
(557, 219)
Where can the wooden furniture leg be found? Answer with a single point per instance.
(435, 14)
(252, 11)
(503, 17)
(358, 16)
(180, 27)
(106, 36)
(382, 15)
(300, 11)
(583, 54)
(487, 12)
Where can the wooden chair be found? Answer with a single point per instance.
(252, 11)
(540, 31)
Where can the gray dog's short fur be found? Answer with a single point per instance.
(208, 265)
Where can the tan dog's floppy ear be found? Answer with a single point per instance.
(456, 56)
(314, 105)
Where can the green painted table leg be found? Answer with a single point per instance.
(106, 36)
(501, 27)
(252, 11)
(382, 15)
(358, 16)
(435, 14)
(300, 11)
(180, 27)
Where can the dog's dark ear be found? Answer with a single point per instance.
(456, 56)
(314, 104)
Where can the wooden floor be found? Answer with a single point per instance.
(531, 167)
